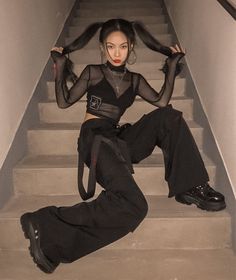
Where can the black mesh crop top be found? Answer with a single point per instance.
(111, 89)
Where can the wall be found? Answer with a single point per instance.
(29, 28)
(208, 33)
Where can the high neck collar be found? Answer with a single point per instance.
(120, 68)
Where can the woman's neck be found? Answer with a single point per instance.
(112, 67)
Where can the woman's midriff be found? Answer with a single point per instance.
(89, 116)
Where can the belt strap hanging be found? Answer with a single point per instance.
(94, 156)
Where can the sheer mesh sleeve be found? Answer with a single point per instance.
(66, 96)
(162, 98)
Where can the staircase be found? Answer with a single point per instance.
(174, 242)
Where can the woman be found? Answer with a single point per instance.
(65, 234)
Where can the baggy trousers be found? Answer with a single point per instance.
(69, 233)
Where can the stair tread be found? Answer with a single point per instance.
(68, 161)
(147, 25)
(145, 19)
(123, 10)
(76, 126)
(160, 207)
(128, 265)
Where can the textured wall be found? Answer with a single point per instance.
(29, 28)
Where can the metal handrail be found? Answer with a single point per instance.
(230, 8)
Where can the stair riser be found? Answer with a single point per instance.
(120, 2)
(120, 12)
(144, 19)
(165, 39)
(128, 265)
(64, 142)
(63, 181)
(179, 89)
(50, 113)
(124, 4)
(166, 233)
(157, 28)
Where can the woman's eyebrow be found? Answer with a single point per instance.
(114, 44)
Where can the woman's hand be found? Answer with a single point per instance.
(57, 49)
(177, 54)
(56, 52)
(176, 49)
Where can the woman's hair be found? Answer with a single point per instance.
(122, 25)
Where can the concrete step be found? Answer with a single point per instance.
(121, 1)
(57, 175)
(177, 226)
(120, 5)
(50, 113)
(144, 19)
(128, 265)
(165, 39)
(160, 28)
(120, 12)
(179, 89)
(61, 139)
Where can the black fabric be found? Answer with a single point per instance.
(69, 233)
(118, 146)
(101, 83)
(167, 129)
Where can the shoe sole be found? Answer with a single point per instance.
(35, 251)
(201, 204)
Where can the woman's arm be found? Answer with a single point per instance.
(162, 98)
(66, 97)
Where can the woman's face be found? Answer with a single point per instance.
(116, 48)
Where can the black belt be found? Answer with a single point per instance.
(120, 149)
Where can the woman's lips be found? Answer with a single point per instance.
(117, 60)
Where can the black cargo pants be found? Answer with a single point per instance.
(69, 233)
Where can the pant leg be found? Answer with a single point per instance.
(69, 233)
(166, 128)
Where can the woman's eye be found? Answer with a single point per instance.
(110, 47)
(124, 47)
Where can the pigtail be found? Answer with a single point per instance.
(83, 39)
(78, 44)
(147, 38)
(153, 44)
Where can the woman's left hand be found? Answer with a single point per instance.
(176, 49)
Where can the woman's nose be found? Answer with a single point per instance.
(117, 52)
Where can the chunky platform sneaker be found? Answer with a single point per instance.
(32, 232)
(204, 197)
